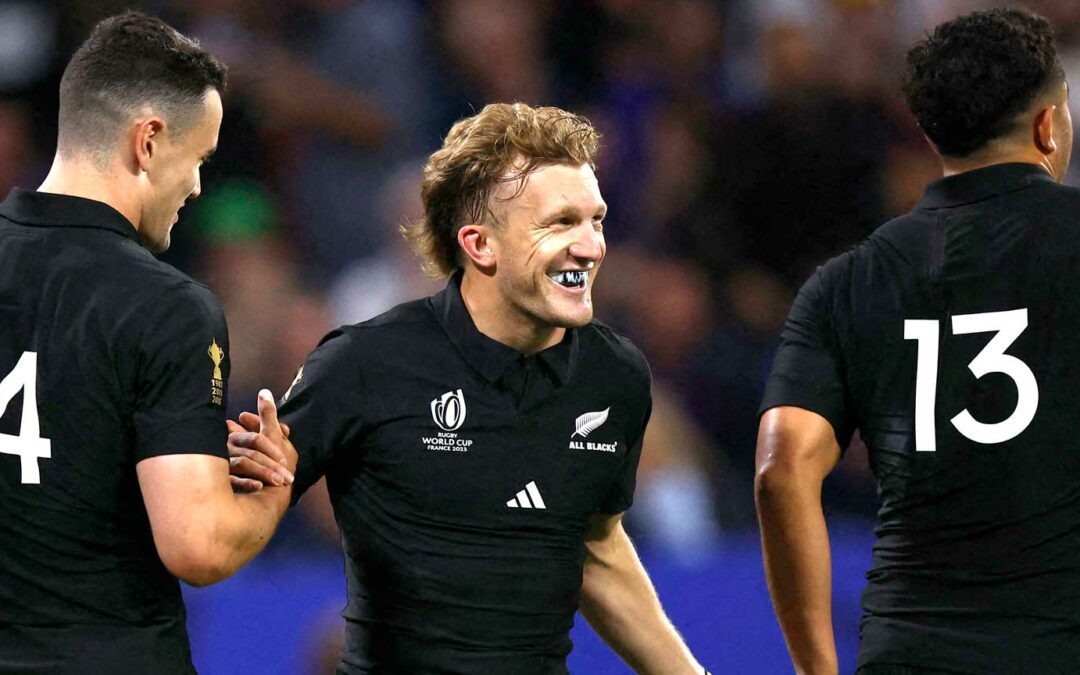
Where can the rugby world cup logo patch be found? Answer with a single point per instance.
(448, 410)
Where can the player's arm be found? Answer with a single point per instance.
(796, 449)
(620, 603)
(203, 531)
(324, 406)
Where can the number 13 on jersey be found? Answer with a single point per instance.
(992, 359)
(28, 446)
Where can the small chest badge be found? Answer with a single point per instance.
(585, 425)
(590, 422)
(448, 410)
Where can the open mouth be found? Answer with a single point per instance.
(573, 279)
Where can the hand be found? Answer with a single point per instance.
(259, 450)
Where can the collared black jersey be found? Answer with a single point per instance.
(107, 357)
(462, 476)
(949, 339)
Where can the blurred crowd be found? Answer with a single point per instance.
(744, 143)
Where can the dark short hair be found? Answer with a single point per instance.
(131, 61)
(504, 142)
(969, 79)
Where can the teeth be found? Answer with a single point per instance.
(571, 278)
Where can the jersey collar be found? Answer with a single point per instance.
(43, 209)
(487, 356)
(980, 184)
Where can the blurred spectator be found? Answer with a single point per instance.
(494, 52)
(674, 507)
(389, 274)
(27, 42)
(805, 180)
(328, 107)
(20, 160)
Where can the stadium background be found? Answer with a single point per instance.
(744, 142)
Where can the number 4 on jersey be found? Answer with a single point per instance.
(992, 359)
(28, 446)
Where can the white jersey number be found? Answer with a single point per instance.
(992, 359)
(28, 446)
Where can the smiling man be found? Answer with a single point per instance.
(114, 480)
(481, 445)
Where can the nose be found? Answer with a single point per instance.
(588, 244)
(197, 190)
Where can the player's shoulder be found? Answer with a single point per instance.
(400, 320)
(834, 278)
(401, 317)
(140, 292)
(906, 232)
(114, 261)
(165, 289)
(602, 347)
(1054, 190)
(1048, 211)
(1053, 205)
(126, 262)
(836, 272)
(398, 325)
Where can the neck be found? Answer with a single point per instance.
(503, 323)
(80, 177)
(980, 160)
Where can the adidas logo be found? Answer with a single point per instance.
(529, 498)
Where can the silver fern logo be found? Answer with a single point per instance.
(448, 410)
(590, 422)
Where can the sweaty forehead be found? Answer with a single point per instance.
(214, 113)
(201, 140)
(553, 187)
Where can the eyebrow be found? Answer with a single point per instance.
(209, 153)
(572, 211)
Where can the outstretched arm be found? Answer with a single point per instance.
(202, 530)
(796, 449)
(620, 603)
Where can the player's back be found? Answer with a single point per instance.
(81, 586)
(956, 327)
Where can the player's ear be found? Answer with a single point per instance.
(1044, 130)
(147, 140)
(476, 241)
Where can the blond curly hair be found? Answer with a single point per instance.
(502, 143)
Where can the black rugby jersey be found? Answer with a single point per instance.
(107, 357)
(462, 476)
(949, 340)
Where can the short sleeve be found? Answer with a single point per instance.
(322, 408)
(621, 494)
(807, 370)
(183, 373)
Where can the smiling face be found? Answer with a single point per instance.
(173, 176)
(548, 247)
